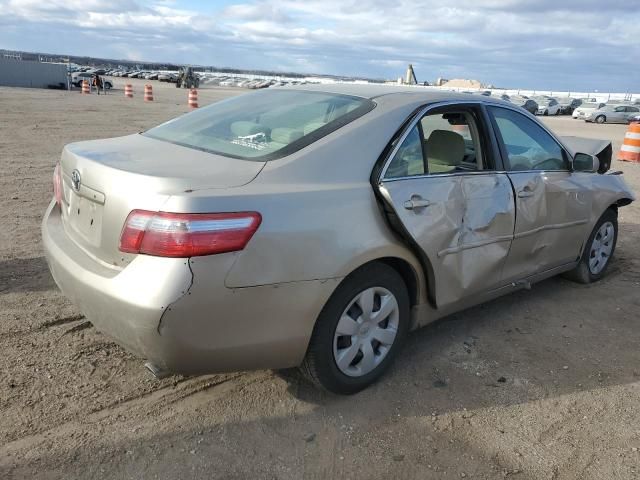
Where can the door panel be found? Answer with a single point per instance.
(553, 206)
(463, 223)
(551, 222)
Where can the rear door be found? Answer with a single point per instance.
(446, 196)
(553, 204)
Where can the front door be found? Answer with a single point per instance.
(553, 204)
(447, 196)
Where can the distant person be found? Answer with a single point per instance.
(97, 82)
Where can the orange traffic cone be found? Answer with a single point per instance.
(193, 98)
(148, 93)
(630, 150)
(128, 90)
(85, 86)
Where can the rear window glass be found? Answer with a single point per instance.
(263, 125)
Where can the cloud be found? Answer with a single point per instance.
(542, 44)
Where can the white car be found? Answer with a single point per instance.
(548, 106)
(584, 110)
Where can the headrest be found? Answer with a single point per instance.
(310, 127)
(445, 147)
(285, 135)
(242, 128)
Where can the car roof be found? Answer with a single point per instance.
(400, 94)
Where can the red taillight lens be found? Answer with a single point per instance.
(187, 234)
(57, 184)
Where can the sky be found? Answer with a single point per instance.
(579, 45)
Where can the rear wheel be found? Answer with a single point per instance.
(601, 119)
(598, 250)
(359, 331)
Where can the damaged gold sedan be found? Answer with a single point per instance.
(316, 226)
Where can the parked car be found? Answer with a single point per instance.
(586, 108)
(77, 79)
(245, 254)
(528, 104)
(568, 105)
(167, 77)
(613, 114)
(547, 106)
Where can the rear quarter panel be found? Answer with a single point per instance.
(320, 217)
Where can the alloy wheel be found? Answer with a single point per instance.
(601, 248)
(366, 331)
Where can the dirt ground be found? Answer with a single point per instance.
(541, 384)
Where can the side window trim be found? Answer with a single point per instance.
(493, 146)
(503, 149)
(423, 147)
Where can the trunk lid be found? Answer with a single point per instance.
(103, 180)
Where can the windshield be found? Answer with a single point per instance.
(263, 125)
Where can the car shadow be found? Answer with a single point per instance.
(25, 275)
(517, 367)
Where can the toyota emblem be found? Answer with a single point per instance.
(75, 180)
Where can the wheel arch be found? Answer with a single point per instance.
(409, 269)
(621, 202)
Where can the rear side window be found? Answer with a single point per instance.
(264, 125)
(449, 141)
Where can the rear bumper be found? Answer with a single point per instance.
(125, 304)
(178, 314)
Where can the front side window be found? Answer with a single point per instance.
(527, 144)
(264, 125)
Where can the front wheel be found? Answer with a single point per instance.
(546, 113)
(359, 331)
(598, 250)
(601, 119)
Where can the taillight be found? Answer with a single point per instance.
(187, 234)
(57, 184)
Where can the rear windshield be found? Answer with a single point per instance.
(264, 125)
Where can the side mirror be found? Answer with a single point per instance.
(583, 162)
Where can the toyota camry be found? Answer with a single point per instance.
(317, 226)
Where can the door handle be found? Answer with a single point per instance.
(525, 193)
(416, 202)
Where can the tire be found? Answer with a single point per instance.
(600, 119)
(377, 283)
(546, 113)
(108, 86)
(584, 271)
(557, 112)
